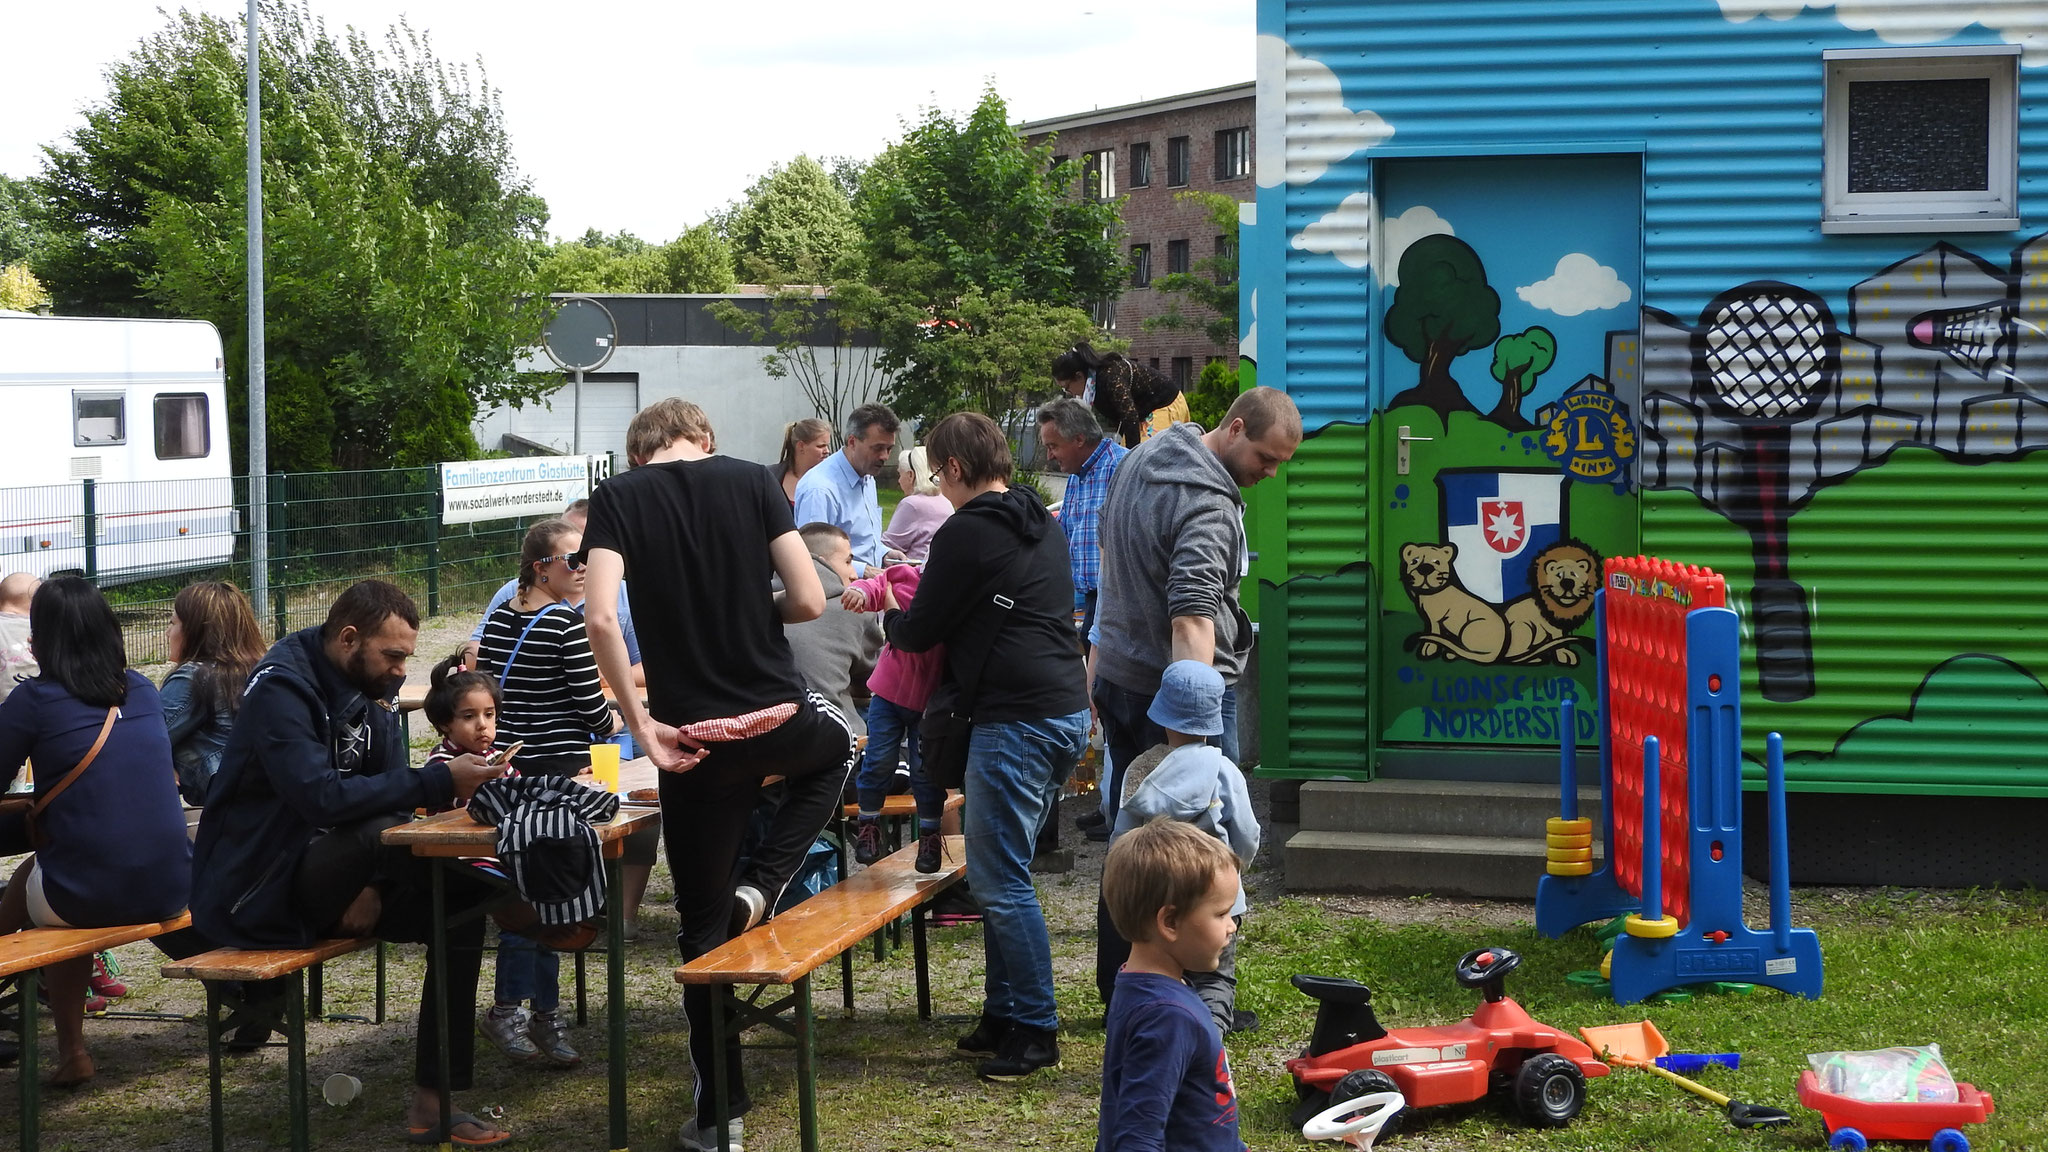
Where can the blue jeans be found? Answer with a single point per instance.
(1127, 732)
(527, 971)
(889, 725)
(1014, 772)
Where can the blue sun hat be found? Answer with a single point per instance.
(1190, 699)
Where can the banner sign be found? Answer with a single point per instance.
(478, 490)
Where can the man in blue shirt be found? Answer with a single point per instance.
(841, 490)
(1072, 437)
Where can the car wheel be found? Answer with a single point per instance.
(1363, 1083)
(1549, 1090)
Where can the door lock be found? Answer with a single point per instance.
(1401, 441)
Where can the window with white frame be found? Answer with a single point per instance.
(1922, 140)
(1098, 175)
(1233, 153)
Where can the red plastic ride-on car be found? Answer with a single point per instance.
(1499, 1049)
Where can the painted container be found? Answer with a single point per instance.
(1741, 283)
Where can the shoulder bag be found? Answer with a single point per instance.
(943, 733)
(31, 813)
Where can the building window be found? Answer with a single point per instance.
(1098, 175)
(1177, 161)
(1176, 256)
(1155, 363)
(1233, 153)
(1104, 314)
(181, 427)
(1183, 372)
(1921, 140)
(1141, 165)
(99, 419)
(1226, 261)
(1141, 265)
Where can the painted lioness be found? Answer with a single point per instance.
(1530, 630)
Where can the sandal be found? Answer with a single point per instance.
(434, 1135)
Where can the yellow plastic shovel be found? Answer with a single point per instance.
(1638, 1045)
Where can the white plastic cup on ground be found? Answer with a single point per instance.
(341, 1088)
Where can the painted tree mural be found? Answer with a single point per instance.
(1443, 309)
(1517, 361)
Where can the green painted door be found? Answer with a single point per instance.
(1505, 394)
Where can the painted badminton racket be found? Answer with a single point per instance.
(1770, 353)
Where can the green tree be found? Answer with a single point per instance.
(1517, 362)
(399, 236)
(699, 260)
(795, 224)
(808, 344)
(976, 263)
(1214, 391)
(1443, 309)
(696, 261)
(1210, 283)
(23, 233)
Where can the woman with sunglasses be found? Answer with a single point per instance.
(552, 702)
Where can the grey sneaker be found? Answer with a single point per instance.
(705, 1139)
(507, 1028)
(548, 1035)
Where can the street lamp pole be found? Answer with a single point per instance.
(259, 441)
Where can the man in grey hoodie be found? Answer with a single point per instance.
(1173, 551)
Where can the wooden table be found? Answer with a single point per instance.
(453, 835)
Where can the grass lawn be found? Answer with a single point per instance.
(1903, 968)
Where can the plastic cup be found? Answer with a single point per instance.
(604, 765)
(340, 1088)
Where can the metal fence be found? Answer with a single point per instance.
(143, 541)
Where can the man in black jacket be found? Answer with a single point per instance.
(314, 771)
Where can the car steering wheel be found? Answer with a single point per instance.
(1487, 969)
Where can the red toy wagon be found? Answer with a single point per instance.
(1852, 1124)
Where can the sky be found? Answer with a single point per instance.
(648, 115)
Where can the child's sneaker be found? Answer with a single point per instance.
(103, 981)
(548, 1035)
(867, 840)
(930, 848)
(507, 1028)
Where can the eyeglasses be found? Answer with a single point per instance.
(937, 476)
(574, 560)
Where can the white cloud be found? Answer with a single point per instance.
(1248, 344)
(1346, 233)
(1580, 284)
(2022, 22)
(1406, 229)
(1303, 125)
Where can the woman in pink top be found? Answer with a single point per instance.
(920, 513)
(901, 684)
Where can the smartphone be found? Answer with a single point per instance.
(504, 754)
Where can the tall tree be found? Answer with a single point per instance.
(399, 235)
(1210, 284)
(794, 225)
(696, 261)
(836, 371)
(975, 258)
(1443, 309)
(23, 234)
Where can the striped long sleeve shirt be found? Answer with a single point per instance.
(552, 698)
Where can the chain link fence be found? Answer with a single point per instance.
(143, 541)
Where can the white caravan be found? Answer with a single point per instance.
(139, 407)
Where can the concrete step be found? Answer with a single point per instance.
(1437, 807)
(1491, 867)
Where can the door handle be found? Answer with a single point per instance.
(1401, 441)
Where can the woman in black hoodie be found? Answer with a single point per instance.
(999, 594)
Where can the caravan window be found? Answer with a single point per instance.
(98, 418)
(181, 427)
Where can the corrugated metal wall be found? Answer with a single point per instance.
(1914, 534)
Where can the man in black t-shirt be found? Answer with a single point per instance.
(726, 706)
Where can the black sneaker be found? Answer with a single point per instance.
(867, 840)
(987, 1036)
(930, 847)
(1244, 1020)
(1024, 1051)
(1092, 818)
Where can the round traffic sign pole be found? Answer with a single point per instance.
(580, 339)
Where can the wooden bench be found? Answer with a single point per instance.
(240, 964)
(898, 812)
(23, 955)
(787, 949)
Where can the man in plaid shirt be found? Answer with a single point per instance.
(1070, 435)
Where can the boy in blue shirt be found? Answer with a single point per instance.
(1165, 1077)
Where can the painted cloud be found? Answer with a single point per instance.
(1303, 126)
(1580, 284)
(1346, 233)
(2022, 22)
(1248, 344)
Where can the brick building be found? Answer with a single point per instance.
(1146, 153)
